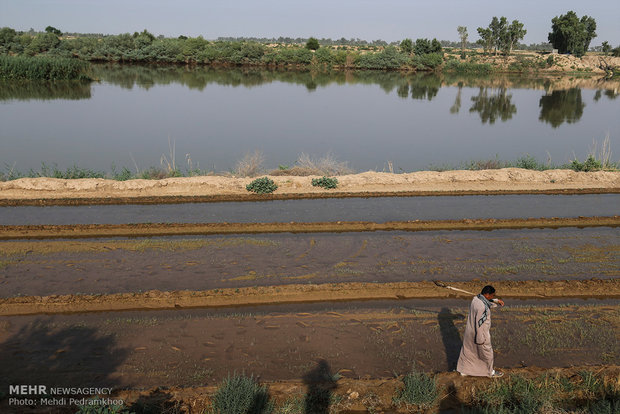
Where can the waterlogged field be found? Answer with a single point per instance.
(383, 121)
(40, 268)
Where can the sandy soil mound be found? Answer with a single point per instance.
(506, 179)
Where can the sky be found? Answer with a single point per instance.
(390, 20)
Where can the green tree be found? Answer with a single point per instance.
(422, 46)
(312, 44)
(463, 35)
(425, 46)
(569, 34)
(606, 48)
(499, 28)
(53, 30)
(406, 45)
(514, 33)
(486, 39)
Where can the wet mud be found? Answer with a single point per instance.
(201, 347)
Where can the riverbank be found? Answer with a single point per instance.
(222, 188)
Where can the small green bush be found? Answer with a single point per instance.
(590, 164)
(264, 185)
(325, 182)
(529, 163)
(419, 390)
(241, 394)
(428, 60)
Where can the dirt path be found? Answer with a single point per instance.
(48, 191)
(298, 293)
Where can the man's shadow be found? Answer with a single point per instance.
(321, 383)
(450, 336)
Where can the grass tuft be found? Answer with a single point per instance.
(419, 390)
(240, 394)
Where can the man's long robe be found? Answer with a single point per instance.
(476, 356)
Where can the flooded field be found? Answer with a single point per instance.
(133, 265)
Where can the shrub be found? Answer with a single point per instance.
(528, 162)
(389, 58)
(264, 185)
(419, 390)
(590, 164)
(312, 44)
(327, 165)
(240, 394)
(428, 60)
(325, 182)
(251, 165)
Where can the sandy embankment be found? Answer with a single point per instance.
(502, 180)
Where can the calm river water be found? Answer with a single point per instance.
(214, 117)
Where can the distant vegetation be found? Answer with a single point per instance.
(43, 68)
(569, 35)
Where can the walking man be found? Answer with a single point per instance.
(476, 356)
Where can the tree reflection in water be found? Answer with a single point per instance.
(493, 104)
(561, 106)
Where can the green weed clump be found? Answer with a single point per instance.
(325, 182)
(516, 395)
(419, 390)
(264, 185)
(43, 68)
(240, 394)
(529, 163)
(428, 61)
(590, 164)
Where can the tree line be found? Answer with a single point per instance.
(569, 34)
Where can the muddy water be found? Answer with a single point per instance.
(372, 119)
(168, 348)
(199, 263)
(377, 210)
